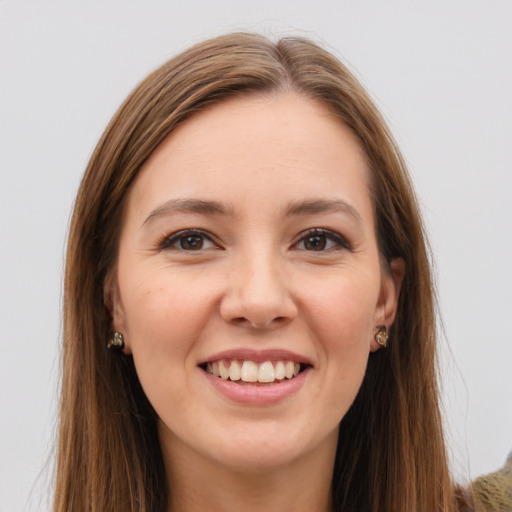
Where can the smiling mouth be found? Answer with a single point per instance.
(251, 372)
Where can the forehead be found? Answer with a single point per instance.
(288, 145)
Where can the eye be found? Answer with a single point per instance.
(321, 240)
(188, 240)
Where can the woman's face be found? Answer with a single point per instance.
(248, 251)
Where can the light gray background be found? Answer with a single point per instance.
(440, 71)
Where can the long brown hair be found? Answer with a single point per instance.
(391, 454)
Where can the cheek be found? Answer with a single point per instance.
(342, 314)
(162, 313)
(342, 311)
(163, 319)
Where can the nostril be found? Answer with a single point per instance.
(257, 304)
(258, 324)
(266, 324)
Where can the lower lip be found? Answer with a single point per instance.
(257, 395)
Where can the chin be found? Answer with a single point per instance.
(258, 459)
(262, 448)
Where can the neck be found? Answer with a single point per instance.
(200, 484)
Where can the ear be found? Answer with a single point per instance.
(390, 288)
(114, 307)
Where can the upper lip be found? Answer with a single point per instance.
(258, 356)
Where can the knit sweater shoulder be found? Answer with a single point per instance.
(493, 492)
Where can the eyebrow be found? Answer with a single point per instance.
(205, 207)
(199, 206)
(314, 206)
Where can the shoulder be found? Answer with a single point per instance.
(493, 492)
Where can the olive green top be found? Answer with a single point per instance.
(493, 492)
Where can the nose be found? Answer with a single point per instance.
(257, 294)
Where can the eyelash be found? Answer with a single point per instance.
(170, 241)
(339, 241)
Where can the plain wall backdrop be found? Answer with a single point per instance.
(441, 72)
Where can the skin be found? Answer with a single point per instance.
(257, 283)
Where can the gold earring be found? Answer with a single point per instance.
(381, 336)
(116, 341)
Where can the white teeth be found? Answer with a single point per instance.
(224, 371)
(289, 369)
(280, 372)
(266, 372)
(249, 371)
(234, 371)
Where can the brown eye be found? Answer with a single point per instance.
(191, 243)
(321, 240)
(315, 243)
(188, 240)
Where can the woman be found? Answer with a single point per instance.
(246, 241)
